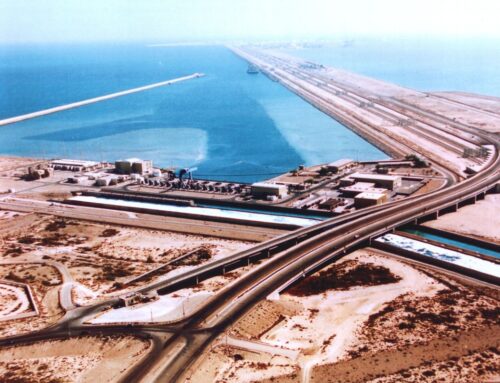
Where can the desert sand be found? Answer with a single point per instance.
(358, 314)
(480, 220)
(82, 359)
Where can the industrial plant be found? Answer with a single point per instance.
(271, 217)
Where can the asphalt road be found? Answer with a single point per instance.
(199, 227)
(177, 346)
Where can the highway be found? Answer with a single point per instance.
(296, 254)
(149, 221)
(305, 257)
(182, 343)
(394, 125)
(230, 304)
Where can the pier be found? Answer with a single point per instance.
(12, 120)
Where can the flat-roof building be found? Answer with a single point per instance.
(361, 187)
(340, 165)
(74, 165)
(142, 167)
(380, 180)
(133, 165)
(123, 167)
(346, 181)
(330, 203)
(366, 199)
(264, 189)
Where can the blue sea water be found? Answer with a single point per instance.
(468, 65)
(230, 124)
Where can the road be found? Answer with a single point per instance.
(182, 225)
(308, 255)
(255, 346)
(229, 305)
(296, 254)
(378, 111)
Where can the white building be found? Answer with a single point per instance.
(380, 180)
(74, 165)
(340, 165)
(265, 189)
(369, 199)
(133, 165)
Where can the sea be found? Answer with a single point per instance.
(229, 124)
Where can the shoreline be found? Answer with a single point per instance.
(397, 120)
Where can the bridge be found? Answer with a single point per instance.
(176, 346)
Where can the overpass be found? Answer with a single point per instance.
(293, 255)
(304, 258)
(296, 254)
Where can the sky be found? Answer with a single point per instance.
(164, 21)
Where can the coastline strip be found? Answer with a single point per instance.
(12, 120)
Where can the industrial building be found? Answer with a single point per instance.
(265, 189)
(37, 173)
(133, 165)
(380, 180)
(134, 298)
(74, 165)
(346, 181)
(330, 203)
(106, 181)
(366, 199)
(340, 165)
(361, 187)
(394, 164)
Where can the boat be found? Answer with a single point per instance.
(252, 69)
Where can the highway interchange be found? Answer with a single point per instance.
(176, 346)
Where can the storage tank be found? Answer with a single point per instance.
(102, 182)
